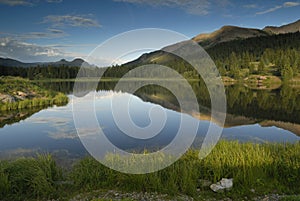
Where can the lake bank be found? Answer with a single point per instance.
(18, 93)
(256, 169)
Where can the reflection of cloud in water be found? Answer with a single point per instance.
(18, 152)
(108, 94)
(68, 132)
(59, 127)
(88, 132)
(99, 95)
(54, 121)
(63, 157)
(63, 133)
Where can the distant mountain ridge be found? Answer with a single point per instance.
(288, 28)
(229, 33)
(7, 62)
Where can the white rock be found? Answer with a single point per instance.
(222, 185)
(226, 183)
(216, 187)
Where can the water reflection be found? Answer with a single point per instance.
(254, 115)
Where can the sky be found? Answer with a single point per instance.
(50, 30)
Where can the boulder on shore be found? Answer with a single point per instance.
(5, 98)
(224, 184)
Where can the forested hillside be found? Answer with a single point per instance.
(277, 54)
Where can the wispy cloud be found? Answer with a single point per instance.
(16, 2)
(70, 20)
(54, 1)
(49, 34)
(250, 6)
(196, 7)
(269, 10)
(26, 2)
(287, 4)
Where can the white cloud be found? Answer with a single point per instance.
(28, 52)
(16, 2)
(291, 4)
(54, 1)
(287, 4)
(269, 10)
(49, 33)
(70, 20)
(196, 7)
(48, 52)
(26, 2)
(250, 6)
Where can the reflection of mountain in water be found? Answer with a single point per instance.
(245, 106)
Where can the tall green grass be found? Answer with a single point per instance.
(263, 167)
(59, 99)
(37, 96)
(29, 178)
(266, 168)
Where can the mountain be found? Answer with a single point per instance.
(7, 62)
(234, 49)
(229, 33)
(289, 28)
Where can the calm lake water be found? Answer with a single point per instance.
(254, 115)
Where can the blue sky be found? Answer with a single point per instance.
(49, 30)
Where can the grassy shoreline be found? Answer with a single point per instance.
(18, 93)
(257, 170)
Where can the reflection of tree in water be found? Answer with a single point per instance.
(278, 104)
(14, 116)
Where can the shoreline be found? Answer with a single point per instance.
(258, 171)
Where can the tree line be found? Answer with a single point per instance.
(275, 55)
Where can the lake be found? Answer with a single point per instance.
(253, 115)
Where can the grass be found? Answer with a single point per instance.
(291, 198)
(29, 178)
(35, 96)
(257, 169)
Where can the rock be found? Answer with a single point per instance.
(21, 93)
(265, 199)
(224, 184)
(20, 97)
(204, 182)
(216, 187)
(5, 98)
